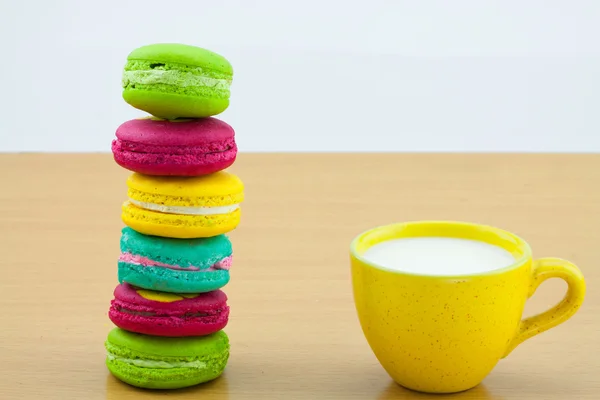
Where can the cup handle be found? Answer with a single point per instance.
(543, 269)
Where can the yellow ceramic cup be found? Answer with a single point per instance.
(445, 334)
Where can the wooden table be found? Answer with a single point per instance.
(293, 329)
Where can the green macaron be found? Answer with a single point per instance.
(177, 81)
(156, 362)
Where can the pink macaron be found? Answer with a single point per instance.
(168, 314)
(187, 147)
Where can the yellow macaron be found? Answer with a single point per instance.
(183, 207)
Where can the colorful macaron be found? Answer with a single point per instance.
(183, 207)
(186, 147)
(177, 80)
(174, 265)
(156, 362)
(168, 314)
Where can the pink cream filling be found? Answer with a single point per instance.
(223, 264)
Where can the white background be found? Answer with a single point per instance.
(367, 75)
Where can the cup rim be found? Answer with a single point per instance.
(520, 242)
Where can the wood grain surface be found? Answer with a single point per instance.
(294, 332)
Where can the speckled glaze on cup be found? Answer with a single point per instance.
(445, 334)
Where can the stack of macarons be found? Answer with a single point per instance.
(175, 254)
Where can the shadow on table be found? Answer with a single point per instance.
(397, 392)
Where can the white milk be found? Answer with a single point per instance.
(438, 256)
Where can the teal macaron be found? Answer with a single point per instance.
(174, 265)
(157, 362)
(170, 80)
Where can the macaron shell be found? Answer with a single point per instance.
(153, 162)
(220, 184)
(170, 302)
(167, 326)
(179, 53)
(183, 132)
(168, 280)
(159, 348)
(177, 225)
(201, 253)
(174, 105)
(151, 378)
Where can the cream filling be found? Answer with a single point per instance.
(172, 77)
(185, 209)
(157, 364)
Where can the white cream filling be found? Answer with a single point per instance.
(184, 209)
(172, 77)
(158, 364)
